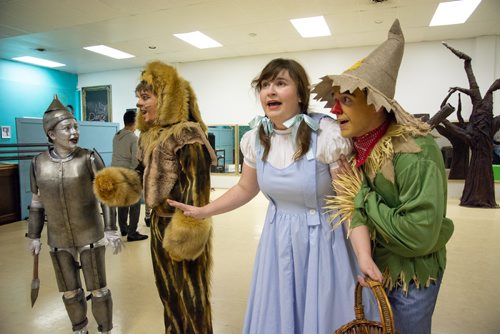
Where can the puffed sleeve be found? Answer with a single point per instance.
(248, 146)
(331, 144)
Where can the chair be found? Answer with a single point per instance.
(221, 161)
(360, 325)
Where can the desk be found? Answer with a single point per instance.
(9, 196)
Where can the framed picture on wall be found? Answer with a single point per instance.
(6, 132)
(96, 103)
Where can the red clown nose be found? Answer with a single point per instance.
(337, 109)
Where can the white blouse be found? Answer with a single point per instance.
(330, 145)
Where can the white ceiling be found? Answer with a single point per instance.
(246, 27)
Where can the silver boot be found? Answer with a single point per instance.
(81, 331)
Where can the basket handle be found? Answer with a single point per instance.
(384, 308)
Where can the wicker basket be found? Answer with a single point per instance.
(363, 326)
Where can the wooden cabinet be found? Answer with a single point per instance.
(9, 194)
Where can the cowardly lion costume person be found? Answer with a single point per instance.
(174, 163)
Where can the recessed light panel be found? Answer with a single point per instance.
(453, 12)
(110, 52)
(39, 61)
(199, 40)
(311, 26)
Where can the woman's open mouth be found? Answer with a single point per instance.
(273, 105)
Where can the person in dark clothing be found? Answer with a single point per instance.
(125, 155)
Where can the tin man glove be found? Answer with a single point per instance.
(113, 238)
(34, 246)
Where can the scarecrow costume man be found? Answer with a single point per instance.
(396, 184)
(61, 183)
(174, 163)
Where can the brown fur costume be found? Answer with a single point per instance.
(175, 158)
(118, 186)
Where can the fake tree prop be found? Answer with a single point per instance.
(477, 134)
(460, 159)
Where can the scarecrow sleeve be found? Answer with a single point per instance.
(415, 226)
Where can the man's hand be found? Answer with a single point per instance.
(113, 238)
(34, 246)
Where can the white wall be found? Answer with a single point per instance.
(224, 94)
(122, 83)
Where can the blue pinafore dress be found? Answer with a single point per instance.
(305, 273)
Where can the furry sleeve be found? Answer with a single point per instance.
(186, 237)
(179, 165)
(193, 185)
(117, 186)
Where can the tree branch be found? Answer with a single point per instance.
(457, 53)
(441, 115)
(494, 86)
(474, 88)
(445, 100)
(463, 90)
(459, 110)
(456, 131)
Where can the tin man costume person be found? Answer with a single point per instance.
(61, 183)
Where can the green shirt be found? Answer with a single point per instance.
(407, 215)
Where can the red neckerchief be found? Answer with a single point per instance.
(365, 143)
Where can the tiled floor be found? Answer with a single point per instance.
(469, 300)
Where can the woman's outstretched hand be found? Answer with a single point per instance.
(189, 210)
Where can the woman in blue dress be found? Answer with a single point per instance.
(305, 272)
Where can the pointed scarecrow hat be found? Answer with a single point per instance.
(376, 74)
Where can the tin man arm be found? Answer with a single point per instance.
(36, 215)
(110, 229)
(35, 225)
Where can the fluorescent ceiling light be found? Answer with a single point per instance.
(38, 61)
(454, 12)
(311, 26)
(110, 52)
(198, 39)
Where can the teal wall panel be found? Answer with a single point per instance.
(27, 91)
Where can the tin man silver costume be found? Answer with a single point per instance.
(62, 190)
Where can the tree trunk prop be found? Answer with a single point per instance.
(460, 159)
(457, 136)
(479, 190)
